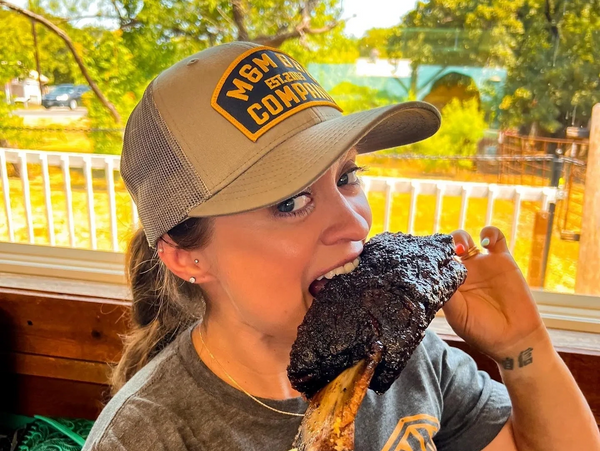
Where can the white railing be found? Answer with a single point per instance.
(466, 191)
(65, 161)
(62, 164)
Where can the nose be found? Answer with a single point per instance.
(348, 219)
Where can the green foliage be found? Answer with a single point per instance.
(17, 57)
(9, 136)
(463, 125)
(151, 36)
(14, 34)
(332, 47)
(375, 40)
(555, 78)
(458, 32)
(550, 48)
(114, 69)
(352, 98)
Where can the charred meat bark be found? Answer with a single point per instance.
(389, 299)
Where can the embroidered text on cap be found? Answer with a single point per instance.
(262, 87)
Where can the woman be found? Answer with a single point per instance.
(243, 171)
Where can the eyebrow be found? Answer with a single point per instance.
(351, 153)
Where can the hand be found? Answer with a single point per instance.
(493, 310)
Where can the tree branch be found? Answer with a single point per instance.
(93, 16)
(300, 31)
(239, 18)
(551, 22)
(109, 106)
(117, 10)
(130, 23)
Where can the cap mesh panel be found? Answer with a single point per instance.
(161, 180)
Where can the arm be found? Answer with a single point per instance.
(546, 399)
(494, 311)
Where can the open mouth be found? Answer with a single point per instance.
(317, 285)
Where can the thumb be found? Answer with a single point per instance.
(493, 240)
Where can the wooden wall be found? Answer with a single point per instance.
(54, 351)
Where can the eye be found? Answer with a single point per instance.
(349, 178)
(294, 204)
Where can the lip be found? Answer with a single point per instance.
(341, 263)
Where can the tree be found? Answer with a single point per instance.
(160, 32)
(463, 126)
(554, 79)
(352, 98)
(147, 36)
(375, 42)
(551, 49)
(69, 43)
(456, 33)
(17, 52)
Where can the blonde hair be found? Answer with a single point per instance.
(163, 305)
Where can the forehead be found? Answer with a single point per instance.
(339, 164)
(352, 153)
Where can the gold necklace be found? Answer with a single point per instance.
(239, 386)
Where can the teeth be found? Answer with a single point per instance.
(347, 268)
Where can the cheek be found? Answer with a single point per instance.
(263, 269)
(363, 208)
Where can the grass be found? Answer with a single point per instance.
(562, 262)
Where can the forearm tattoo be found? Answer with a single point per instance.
(525, 358)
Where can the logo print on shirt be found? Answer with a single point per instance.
(413, 433)
(262, 87)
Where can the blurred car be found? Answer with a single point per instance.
(65, 95)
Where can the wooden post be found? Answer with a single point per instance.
(588, 265)
(535, 277)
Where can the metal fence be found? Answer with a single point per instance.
(555, 162)
(70, 138)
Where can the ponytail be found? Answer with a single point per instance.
(162, 304)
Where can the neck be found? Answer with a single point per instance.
(245, 358)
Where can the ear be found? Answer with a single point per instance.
(185, 264)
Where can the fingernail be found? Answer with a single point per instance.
(460, 249)
(485, 242)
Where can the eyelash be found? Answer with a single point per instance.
(306, 210)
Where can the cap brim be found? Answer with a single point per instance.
(303, 158)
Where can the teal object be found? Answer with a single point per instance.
(55, 434)
(329, 75)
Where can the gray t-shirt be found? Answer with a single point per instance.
(439, 402)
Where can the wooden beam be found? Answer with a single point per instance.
(585, 367)
(34, 395)
(63, 326)
(588, 267)
(56, 368)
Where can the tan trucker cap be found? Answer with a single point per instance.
(241, 126)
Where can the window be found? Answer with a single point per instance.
(516, 87)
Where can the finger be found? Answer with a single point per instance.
(462, 241)
(493, 240)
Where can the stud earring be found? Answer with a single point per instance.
(161, 250)
(192, 280)
(196, 261)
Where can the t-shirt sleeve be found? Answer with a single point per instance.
(475, 407)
